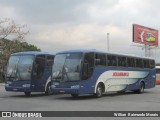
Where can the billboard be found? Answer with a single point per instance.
(145, 35)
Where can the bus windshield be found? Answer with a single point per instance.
(19, 67)
(67, 67)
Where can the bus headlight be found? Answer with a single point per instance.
(26, 85)
(53, 86)
(75, 86)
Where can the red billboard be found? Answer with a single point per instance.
(145, 35)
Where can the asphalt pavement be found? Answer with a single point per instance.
(129, 101)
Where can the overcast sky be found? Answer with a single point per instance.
(57, 25)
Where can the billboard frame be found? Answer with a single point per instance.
(145, 35)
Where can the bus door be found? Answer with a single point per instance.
(38, 74)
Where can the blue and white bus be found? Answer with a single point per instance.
(79, 72)
(29, 72)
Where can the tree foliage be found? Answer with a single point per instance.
(9, 29)
(12, 39)
(10, 47)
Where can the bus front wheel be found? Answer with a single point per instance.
(27, 93)
(99, 91)
(48, 90)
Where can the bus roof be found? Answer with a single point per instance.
(98, 51)
(30, 53)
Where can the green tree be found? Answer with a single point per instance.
(9, 47)
(12, 39)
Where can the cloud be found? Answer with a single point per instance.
(62, 25)
(83, 36)
(7, 11)
(50, 11)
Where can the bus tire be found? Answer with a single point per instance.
(27, 93)
(141, 88)
(99, 91)
(74, 95)
(48, 90)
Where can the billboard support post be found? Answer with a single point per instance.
(149, 51)
(145, 49)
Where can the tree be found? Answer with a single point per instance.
(9, 29)
(12, 39)
(12, 47)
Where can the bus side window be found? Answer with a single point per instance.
(139, 63)
(101, 58)
(39, 66)
(146, 63)
(49, 61)
(131, 62)
(152, 63)
(119, 61)
(111, 60)
(88, 66)
(124, 61)
(114, 60)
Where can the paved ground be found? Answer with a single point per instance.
(150, 100)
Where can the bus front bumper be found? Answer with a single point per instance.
(66, 90)
(17, 88)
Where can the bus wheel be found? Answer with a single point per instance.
(74, 95)
(141, 89)
(48, 90)
(99, 91)
(27, 93)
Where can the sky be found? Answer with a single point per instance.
(58, 25)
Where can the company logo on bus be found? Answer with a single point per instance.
(120, 74)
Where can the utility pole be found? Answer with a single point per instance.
(108, 42)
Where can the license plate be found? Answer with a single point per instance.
(15, 89)
(62, 91)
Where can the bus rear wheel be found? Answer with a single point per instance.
(99, 91)
(27, 93)
(141, 88)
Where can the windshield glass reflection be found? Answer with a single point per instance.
(20, 67)
(67, 67)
